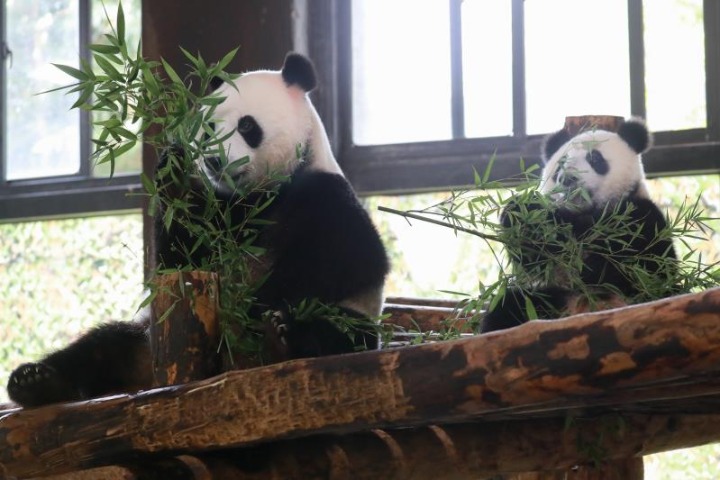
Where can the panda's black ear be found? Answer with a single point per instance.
(553, 142)
(299, 70)
(636, 135)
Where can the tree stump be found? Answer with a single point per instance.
(185, 330)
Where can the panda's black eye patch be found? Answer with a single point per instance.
(597, 162)
(250, 131)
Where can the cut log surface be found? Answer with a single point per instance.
(658, 355)
(575, 125)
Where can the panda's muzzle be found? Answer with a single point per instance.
(566, 178)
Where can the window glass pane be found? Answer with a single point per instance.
(43, 138)
(430, 260)
(130, 162)
(60, 277)
(671, 192)
(487, 67)
(576, 60)
(401, 71)
(674, 64)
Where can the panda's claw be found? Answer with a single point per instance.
(34, 384)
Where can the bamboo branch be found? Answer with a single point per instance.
(422, 218)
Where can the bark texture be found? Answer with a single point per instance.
(185, 330)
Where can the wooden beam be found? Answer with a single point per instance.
(654, 356)
(607, 447)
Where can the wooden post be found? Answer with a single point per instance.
(185, 332)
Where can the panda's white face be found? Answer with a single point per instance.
(268, 121)
(268, 126)
(599, 163)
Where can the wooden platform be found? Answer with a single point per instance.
(597, 390)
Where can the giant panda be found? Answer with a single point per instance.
(587, 177)
(320, 242)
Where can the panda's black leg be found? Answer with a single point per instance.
(114, 357)
(288, 338)
(511, 310)
(34, 384)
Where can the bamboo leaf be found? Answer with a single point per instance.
(225, 61)
(120, 24)
(104, 48)
(73, 72)
(86, 93)
(171, 72)
(108, 68)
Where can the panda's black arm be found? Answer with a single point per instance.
(538, 242)
(640, 246)
(656, 251)
(175, 241)
(325, 245)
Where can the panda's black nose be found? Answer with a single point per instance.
(214, 164)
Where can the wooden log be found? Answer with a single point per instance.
(589, 448)
(422, 302)
(575, 125)
(185, 331)
(424, 318)
(184, 467)
(622, 469)
(640, 357)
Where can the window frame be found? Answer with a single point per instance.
(78, 194)
(441, 165)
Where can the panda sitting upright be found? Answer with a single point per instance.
(587, 178)
(320, 242)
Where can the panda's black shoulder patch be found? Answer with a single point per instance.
(299, 70)
(635, 133)
(553, 142)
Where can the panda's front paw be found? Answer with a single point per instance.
(35, 384)
(276, 335)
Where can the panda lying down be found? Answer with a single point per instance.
(320, 241)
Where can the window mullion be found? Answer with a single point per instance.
(636, 45)
(456, 69)
(518, 69)
(711, 16)
(85, 33)
(4, 51)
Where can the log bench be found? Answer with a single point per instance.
(582, 397)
